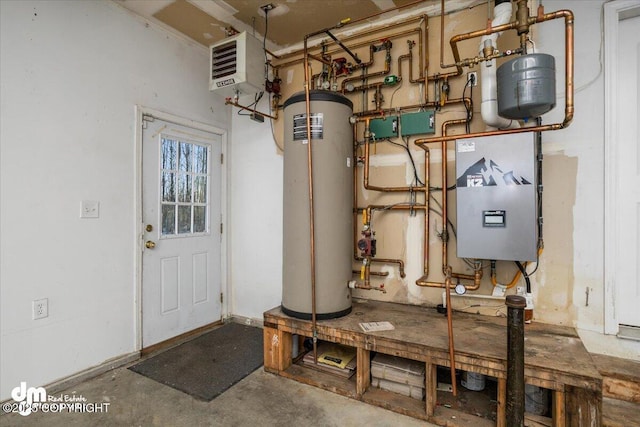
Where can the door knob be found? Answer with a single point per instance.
(149, 244)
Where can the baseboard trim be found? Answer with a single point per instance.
(629, 332)
(87, 374)
(249, 321)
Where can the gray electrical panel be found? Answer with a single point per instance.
(496, 197)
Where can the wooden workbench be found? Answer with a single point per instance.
(555, 358)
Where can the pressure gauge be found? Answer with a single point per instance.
(461, 289)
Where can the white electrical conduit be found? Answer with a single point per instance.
(489, 107)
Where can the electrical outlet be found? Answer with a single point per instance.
(89, 209)
(473, 76)
(40, 308)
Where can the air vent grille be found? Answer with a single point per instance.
(224, 60)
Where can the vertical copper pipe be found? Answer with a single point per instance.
(445, 225)
(311, 207)
(452, 360)
(425, 244)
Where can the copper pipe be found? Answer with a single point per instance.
(311, 207)
(366, 171)
(355, 218)
(425, 243)
(242, 107)
(374, 273)
(452, 360)
(477, 276)
(356, 45)
(569, 72)
(320, 59)
(387, 69)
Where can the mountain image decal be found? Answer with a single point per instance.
(480, 174)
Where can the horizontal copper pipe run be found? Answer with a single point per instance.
(477, 278)
(355, 36)
(374, 273)
(373, 114)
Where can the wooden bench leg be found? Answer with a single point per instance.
(431, 388)
(559, 408)
(277, 350)
(502, 403)
(363, 373)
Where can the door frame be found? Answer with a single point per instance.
(140, 112)
(614, 12)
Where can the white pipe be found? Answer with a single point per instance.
(489, 107)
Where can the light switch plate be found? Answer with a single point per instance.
(90, 209)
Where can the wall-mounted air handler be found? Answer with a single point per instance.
(237, 65)
(497, 197)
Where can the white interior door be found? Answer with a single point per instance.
(181, 208)
(628, 209)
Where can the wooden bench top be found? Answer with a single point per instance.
(554, 355)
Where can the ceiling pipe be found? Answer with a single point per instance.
(488, 44)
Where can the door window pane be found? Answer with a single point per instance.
(200, 155)
(168, 219)
(168, 187)
(184, 219)
(199, 219)
(169, 154)
(184, 180)
(184, 187)
(200, 189)
(186, 157)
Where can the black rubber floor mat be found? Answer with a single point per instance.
(208, 365)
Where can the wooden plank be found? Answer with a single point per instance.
(531, 420)
(621, 389)
(431, 387)
(616, 367)
(277, 350)
(323, 380)
(395, 402)
(453, 418)
(618, 413)
(363, 370)
(559, 408)
(583, 407)
(502, 403)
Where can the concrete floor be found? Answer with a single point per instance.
(260, 399)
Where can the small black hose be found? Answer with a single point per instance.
(525, 275)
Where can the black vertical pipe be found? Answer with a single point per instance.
(515, 360)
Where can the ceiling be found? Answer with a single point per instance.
(288, 22)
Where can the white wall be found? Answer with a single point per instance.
(256, 215)
(583, 141)
(71, 73)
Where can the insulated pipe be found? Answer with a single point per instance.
(489, 105)
(515, 360)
